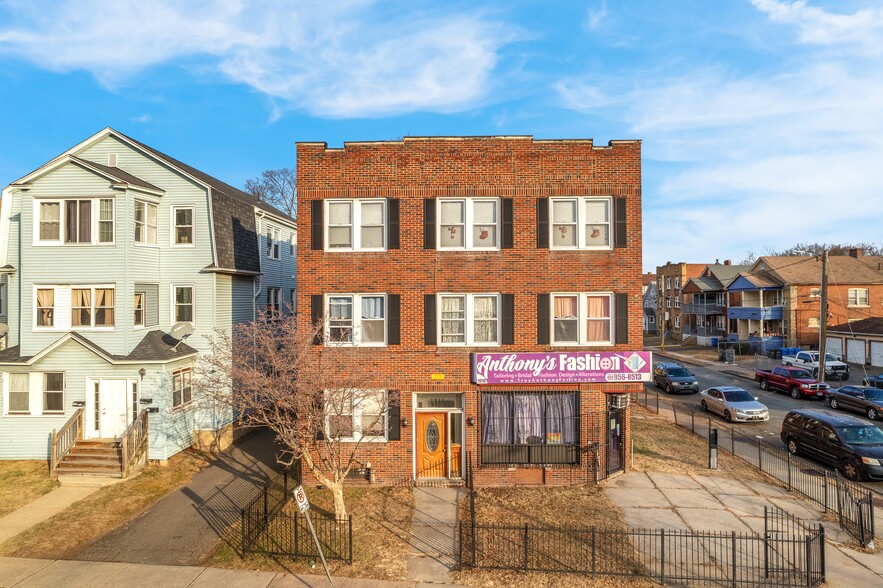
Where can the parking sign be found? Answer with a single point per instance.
(300, 497)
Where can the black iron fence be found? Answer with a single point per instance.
(852, 503)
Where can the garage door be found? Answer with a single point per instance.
(877, 353)
(855, 350)
(834, 345)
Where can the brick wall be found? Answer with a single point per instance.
(520, 168)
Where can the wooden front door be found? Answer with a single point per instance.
(432, 445)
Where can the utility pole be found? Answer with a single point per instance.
(823, 316)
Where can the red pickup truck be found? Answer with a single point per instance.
(796, 380)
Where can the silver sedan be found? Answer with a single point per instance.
(734, 404)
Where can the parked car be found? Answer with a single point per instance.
(875, 381)
(857, 398)
(734, 404)
(794, 380)
(810, 360)
(852, 445)
(675, 378)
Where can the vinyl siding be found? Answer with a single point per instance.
(277, 273)
(242, 303)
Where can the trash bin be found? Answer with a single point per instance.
(714, 341)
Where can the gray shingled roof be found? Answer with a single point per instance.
(807, 270)
(235, 231)
(155, 346)
(868, 326)
(119, 174)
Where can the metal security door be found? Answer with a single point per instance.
(614, 440)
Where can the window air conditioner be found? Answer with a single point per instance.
(619, 400)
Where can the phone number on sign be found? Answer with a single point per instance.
(625, 377)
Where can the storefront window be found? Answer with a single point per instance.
(529, 427)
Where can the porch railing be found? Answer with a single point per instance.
(134, 443)
(64, 438)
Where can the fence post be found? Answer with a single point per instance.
(872, 529)
(733, 555)
(789, 470)
(242, 528)
(826, 491)
(692, 421)
(839, 499)
(759, 452)
(594, 551)
(460, 546)
(808, 543)
(822, 552)
(732, 441)
(266, 512)
(662, 557)
(296, 537)
(526, 555)
(861, 522)
(350, 560)
(766, 543)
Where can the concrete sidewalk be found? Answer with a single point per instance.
(45, 573)
(701, 503)
(41, 509)
(184, 526)
(433, 535)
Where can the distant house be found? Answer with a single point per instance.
(670, 279)
(648, 283)
(103, 250)
(704, 310)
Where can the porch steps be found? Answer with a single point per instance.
(440, 483)
(93, 457)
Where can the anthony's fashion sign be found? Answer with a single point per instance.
(561, 368)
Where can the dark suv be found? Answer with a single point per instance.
(850, 444)
(675, 378)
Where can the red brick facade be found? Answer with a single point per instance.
(523, 169)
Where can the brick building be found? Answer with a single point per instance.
(455, 264)
(670, 279)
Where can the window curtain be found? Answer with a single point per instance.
(104, 307)
(598, 307)
(496, 419)
(528, 419)
(70, 217)
(485, 323)
(561, 419)
(85, 221)
(372, 319)
(372, 307)
(566, 325)
(45, 306)
(81, 307)
(453, 315)
(50, 217)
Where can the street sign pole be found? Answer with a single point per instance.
(300, 497)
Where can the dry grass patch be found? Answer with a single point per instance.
(662, 446)
(65, 534)
(22, 482)
(381, 537)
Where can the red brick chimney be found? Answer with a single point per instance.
(856, 252)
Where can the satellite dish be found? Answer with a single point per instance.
(181, 331)
(4, 328)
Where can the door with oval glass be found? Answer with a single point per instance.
(432, 445)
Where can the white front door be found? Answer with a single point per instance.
(113, 414)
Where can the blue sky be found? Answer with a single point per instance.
(762, 120)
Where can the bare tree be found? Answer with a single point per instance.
(277, 187)
(317, 400)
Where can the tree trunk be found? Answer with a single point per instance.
(339, 504)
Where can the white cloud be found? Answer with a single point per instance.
(144, 118)
(596, 16)
(335, 59)
(743, 162)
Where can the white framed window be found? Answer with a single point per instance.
(3, 299)
(581, 223)
(138, 306)
(79, 221)
(582, 318)
(668, 283)
(469, 319)
(651, 319)
(468, 223)
(19, 394)
(292, 244)
(677, 301)
(858, 297)
(182, 226)
(813, 322)
(355, 225)
(44, 307)
(92, 307)
(273, 301)
(274, 237)
(356, 319)
(182, 389)
(815, 292)
(668, 301)
(145, 222)
(677, 282)
(678, 322)
(182, 303)
(53, 392)
(356, 415)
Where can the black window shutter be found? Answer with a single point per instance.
(507, 240)
(622, 318)
(542, 223)
(316, 313)
(620, 237)
(392, 222)
(508, 319)
(429, 336)
(542, 319)
(429, 223)
(393, 328)
(394, 415)
(318, 229)
(320, 415)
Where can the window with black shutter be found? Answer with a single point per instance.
(543, 319)
(620, 227)
(393, 335)
(429, 223)
(394, 415)
(429, 326)
(508, 316)
(316, 226)
(316, 314)
(542, 223)
(392, 221)
(622, 317)
(507, 236)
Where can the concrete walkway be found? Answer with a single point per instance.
(183, 527)
(44, 573)
(433, 535)
(41, 509)
(700, 503)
